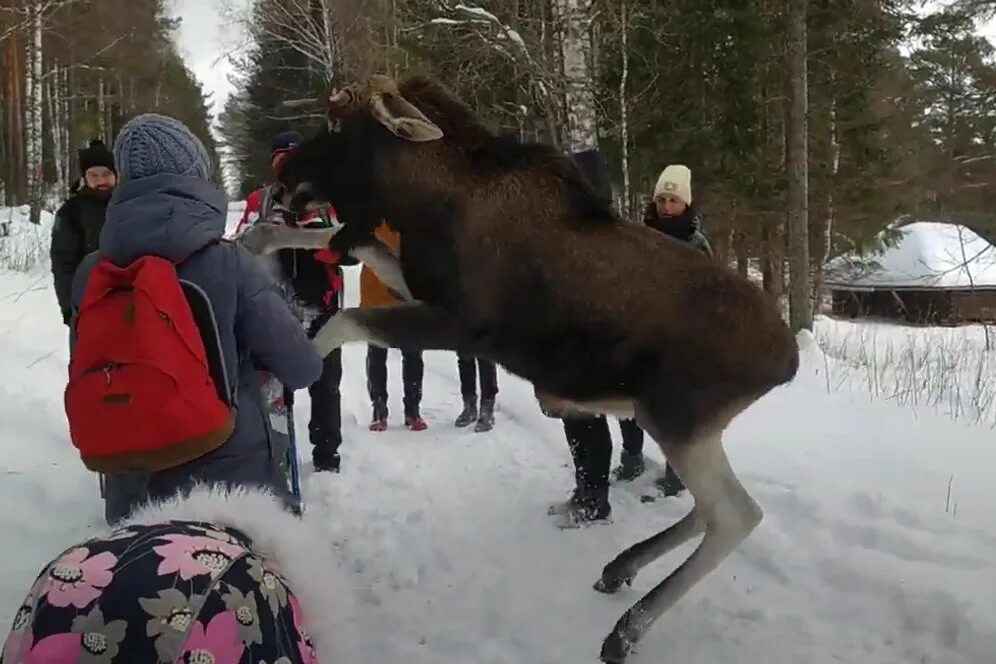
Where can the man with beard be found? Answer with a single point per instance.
(79, 220)
(75, 234)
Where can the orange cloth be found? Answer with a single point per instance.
(373, 292)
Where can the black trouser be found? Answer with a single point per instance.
(412, 371)
(325, 425)
(469, 367)
(591, 447)
(632, 436)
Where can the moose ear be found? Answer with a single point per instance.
(402, 118)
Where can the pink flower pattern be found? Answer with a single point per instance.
(193, 555)
(76, 579)
(218, 644)
(21, 648)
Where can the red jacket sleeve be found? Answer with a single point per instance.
(252, 205)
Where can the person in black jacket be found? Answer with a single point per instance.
(588, 437)
(314, 282)
(78, 222)
(672, 212)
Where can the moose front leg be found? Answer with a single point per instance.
(412, 326)
(385, 265)
(265, 237)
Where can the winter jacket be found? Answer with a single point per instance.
(215, 577)
(75, 234)
(314, 277)
(183, 219)
(373, 292)
(687, 227)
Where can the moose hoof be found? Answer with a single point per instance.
(615, 648)
(613, 579)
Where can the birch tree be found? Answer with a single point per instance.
(580, 131)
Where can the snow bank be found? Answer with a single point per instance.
(878, 544)
(24, 246)
(929, 254)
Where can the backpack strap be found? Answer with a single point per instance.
(207, 325)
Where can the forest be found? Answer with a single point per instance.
(809, 125)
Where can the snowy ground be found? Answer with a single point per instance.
(863, 556)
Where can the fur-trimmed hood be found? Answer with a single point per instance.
(298, 546)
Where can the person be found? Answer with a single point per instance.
(674, 213)
(210, 577)
(469, 369)
(165, 205)
(313, 281)
(75, 233)
(589, 438)
(77, 224)
(373, 293)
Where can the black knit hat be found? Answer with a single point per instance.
(96, 155)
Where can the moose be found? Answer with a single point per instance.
(508, 253)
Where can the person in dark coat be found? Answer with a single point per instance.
(672, 212)
(76, 233)
(589, 438)
(79, 220)
(167, 206)
(211, 577)
(313, 281)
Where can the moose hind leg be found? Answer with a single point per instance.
(728, 515)
(412, 326)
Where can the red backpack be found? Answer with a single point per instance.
(147, 385)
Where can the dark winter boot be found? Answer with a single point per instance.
(379, 420)
(469, 412)
(630, 467)
(413, 420)
(670, 484)
(585, 508)
(326, 461)
(486, 420)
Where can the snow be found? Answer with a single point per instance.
(863, 557)
(929, 254)
(23, 245)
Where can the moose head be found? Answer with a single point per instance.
(367, 123)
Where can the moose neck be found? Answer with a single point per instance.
(419, 181)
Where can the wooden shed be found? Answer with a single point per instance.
(937, 273)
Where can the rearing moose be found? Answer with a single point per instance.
(507, 253)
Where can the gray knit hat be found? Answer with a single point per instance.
(150, 144)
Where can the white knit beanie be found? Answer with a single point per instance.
(675, 180)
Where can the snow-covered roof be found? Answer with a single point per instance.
(928, 255)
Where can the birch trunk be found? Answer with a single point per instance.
(624, 110)
(35, 100)
(579, 93)
(55, 126)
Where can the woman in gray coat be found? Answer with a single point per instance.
(166, 205)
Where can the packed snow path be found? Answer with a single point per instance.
(452, 559)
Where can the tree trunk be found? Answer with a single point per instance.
(579, 90)
(55, 124)
(739, 242)
(627, 201)
(821, 252)
(800, 304)
(35, 99)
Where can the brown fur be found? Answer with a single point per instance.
(535, 272)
